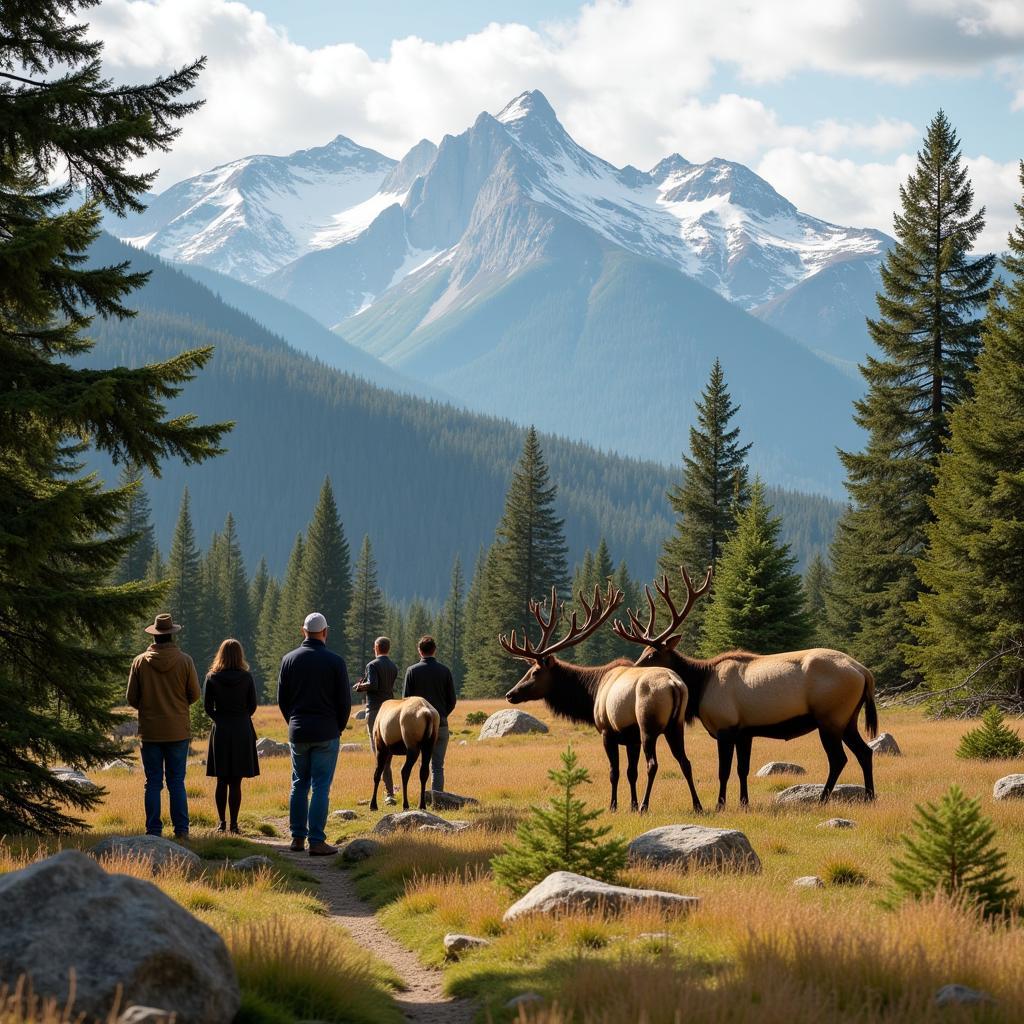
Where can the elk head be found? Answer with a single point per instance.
(659, 648)
(539, 678)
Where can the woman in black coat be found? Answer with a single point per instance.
(230, 700)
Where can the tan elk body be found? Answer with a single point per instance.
(631, 707)
(738, 696)
(407, 727)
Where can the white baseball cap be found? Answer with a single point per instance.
(315, 623)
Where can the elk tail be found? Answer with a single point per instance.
(870, 711)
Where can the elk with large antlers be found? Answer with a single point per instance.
(739, 695)
(631, 707)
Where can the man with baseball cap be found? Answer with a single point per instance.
(162, 683)
(315, 699)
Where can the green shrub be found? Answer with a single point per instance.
(991, 740)
(560, 837)
(951, 852)
(476, 718)
(841, 872)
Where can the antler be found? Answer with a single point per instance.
(638, 634)
(597, 614)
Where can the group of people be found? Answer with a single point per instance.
(315, 699)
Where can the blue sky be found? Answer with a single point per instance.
(827, 99)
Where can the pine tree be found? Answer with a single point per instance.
(758, 603)
(267, 659)
(184, 576)
(326, 585)
(992, 740)
(600, 647)
(418, 622)
(815, 586)
(973, 567)
(452, 624)
(527, 558)
(713, 491)
(58, 545)
(231, 586)
(928, 335)
(631, 598)
(291, 610)
(367, 614)
(952, 852)
(136, 528)
(395, 631)
(258, 591)
(560, 837)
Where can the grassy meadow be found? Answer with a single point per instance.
(756, 949)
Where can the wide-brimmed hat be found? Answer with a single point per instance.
(162, 625)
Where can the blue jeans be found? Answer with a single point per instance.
(159, 759)
(437, 760)
(312, 764)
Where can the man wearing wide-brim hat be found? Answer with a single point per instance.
(162, 683)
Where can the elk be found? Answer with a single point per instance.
(408, 726)
(630, 706)
(739, 695)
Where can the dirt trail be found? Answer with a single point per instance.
(423, 1001)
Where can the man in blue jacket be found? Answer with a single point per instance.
(315, 699)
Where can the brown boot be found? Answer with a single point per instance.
(298, 845)
(322, 850)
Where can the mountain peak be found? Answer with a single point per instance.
(532, 104)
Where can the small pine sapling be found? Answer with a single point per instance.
(951, 851)
(991, 740)
(560, 837)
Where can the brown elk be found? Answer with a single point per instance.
(408, 726)
(739, 695)
(631, 707)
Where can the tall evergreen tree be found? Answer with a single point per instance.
(394, 629)
(265, 651)
(327, 567)
(258, 588)
(291, 607)
(418, 622)
(631, 597)
(527, 559)
(602, 646)
(928, 335)
(816, 583)
(367, 613)
(713, 491)
(758, 604)
(184, 577)
(231, 585)
(136, 528)
(58, 543)
(452, 624)
(973, 567)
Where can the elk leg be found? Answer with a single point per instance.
(650, 743)
(632, 760)
(726, 743)
(611, 749)
(836, 760)
(383, 760)
(410, 760)
(860, 750)
(744, 744)
(674, 735)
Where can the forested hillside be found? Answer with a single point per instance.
(423, 479)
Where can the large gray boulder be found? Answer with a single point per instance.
(448, 801)
(1009, 787)
(810, 793)
(66, 913)
(885, 743)
(510, 722)
(154, 848)
(780, 768)
(564, 891)
(266, 747)
(407, 821)
(695, 846)
(76, 779)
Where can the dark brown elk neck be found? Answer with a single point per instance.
(573, 689)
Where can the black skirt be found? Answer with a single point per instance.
(232, 750)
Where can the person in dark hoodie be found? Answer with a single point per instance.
(315, 698)
(229, 696)
(432, 681)
(162, 683)
(379, 685)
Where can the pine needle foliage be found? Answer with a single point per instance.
(951, 851)
(560, 837)
(991, 740)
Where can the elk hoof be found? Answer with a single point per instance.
(373, 805)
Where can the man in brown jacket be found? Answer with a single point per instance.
(162, 684)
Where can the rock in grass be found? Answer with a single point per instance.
(510, 722)
(837, 823)
(361, 715)
(961, 995)
(810, 793)
(254, 863)
(449, 801)
(147, 1015)
(808, 882)
(1009, 787)
(266, 747)
(129, 727)
(345, 815)
(885, 743)
(564, 892)
(120, 764)
(76, 779)
(726, 849)
(154, 848)
(525, 1000)
(352, 748)
(405, 821)
(116, 931)
(780, 768)
(359, 849)
(455, 943)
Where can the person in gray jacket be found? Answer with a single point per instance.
(432, 681)
(378, 683)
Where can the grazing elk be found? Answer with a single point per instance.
(739, 695)
(631, 707)
(410, 727)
